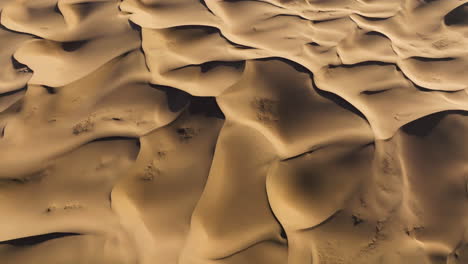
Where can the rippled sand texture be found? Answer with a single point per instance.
(233, 131)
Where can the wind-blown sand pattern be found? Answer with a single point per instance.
(233, 131)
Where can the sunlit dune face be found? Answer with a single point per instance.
(233, 131)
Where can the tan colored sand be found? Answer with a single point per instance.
(233, 131)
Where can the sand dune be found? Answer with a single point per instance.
(233, 131)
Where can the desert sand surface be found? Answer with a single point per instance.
(233, 131)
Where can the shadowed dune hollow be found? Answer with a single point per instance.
(233, 132)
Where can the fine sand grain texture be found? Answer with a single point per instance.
(233, 131)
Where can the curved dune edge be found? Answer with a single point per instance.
(233, 131)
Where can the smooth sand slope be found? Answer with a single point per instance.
(233, 131)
